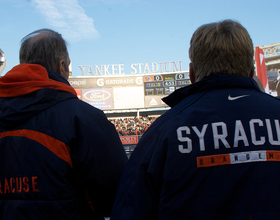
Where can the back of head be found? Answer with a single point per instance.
(221, 48)
(44, 47)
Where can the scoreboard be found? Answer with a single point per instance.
(128, 91)
(165, 84)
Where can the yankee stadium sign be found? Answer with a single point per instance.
(135, 68)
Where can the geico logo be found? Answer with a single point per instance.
(77, 83)
(97, 95)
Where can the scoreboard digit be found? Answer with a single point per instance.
(165, 84)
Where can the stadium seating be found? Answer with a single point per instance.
(132, 126)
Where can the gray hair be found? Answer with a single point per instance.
(221, 48)
(44, 47)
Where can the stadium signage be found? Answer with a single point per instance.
(132, 139)
(106, 82)
(136, 68)
(97, 95)
(122, 82)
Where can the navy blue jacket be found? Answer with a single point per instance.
(214, 155)
(60, 158)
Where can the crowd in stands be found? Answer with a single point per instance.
(132, 126)
(271, 50)
(272, 61)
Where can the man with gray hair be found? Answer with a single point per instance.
(60, 157)
(216, 153)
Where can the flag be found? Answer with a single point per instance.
(261, 68)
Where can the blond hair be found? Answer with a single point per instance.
(221, 48)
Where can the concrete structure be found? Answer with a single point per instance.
(3, 62)
(272, 62)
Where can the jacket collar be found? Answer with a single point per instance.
(217, 81)
(27, 78)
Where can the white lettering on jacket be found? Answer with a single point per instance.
(219, 131)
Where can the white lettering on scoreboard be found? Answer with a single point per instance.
(136, 68)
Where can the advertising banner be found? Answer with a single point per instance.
(106, 82)
(124, 81)
(133, 139)
(99, 98)
(154, 101)
(128, 97)
(80, 83)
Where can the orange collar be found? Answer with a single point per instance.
(26, 78)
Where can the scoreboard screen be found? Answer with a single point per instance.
(129, 92)
(165, 84)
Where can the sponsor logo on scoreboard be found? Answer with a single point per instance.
(97, 95)
(125, 81)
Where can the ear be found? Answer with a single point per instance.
(252, 72)
(62, 69)
(191, 73)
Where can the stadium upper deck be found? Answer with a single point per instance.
(272, 61)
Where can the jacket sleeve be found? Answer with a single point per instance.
(99, 159)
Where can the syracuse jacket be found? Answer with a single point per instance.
(60, 158)
(214, 155)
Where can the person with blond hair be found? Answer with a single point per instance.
(216, 153)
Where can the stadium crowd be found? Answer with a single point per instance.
(132, 126)
(271, 50)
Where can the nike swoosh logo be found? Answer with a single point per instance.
(236, 97)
